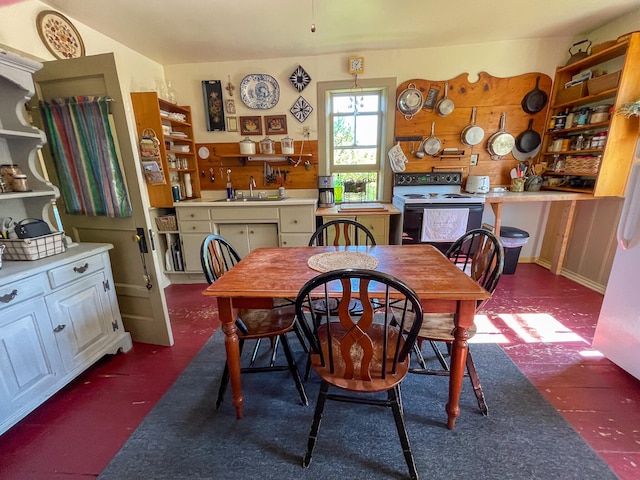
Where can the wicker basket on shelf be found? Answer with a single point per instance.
(166, 223)
(582, 165)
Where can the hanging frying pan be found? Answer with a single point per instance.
(445, 106)
(472, 134)
(535, 100)
(522, 156)
(410, 101)
(432, 144)
(501, 142)
(528, 140)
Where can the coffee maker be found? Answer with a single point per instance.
(325, 187)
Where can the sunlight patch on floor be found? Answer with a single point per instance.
(540, 328)
(487, 331)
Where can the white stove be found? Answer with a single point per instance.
(424, 197)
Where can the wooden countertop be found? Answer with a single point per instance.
(336, 212)
(542, 196)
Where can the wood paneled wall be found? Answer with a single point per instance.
(297, 177)
(492, 96)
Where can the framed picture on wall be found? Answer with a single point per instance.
(232, 124)
(212, 91)
(230, 105)
(251, 125)
(275, 124)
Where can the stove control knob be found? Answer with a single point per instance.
(448, 178)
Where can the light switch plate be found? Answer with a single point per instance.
(473, 160)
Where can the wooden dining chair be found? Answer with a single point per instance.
(481, 256)
(363, 352)
(218, 257)
(342, 232)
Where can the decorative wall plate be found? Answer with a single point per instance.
(59, 35)
(259, 91)
(299, 78)
(301, 109)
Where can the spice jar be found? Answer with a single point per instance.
(20, 183)
(600, 114)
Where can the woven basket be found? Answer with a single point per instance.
(167, 223)
(582, 165)
(33, 248)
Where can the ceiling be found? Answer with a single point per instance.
(195, 31)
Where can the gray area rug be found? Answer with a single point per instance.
(184, 437)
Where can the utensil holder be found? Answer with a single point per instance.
(517, 184)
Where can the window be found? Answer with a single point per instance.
(353, 135)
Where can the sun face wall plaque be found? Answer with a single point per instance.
(299, 78)
(301, 109)
(59, 35)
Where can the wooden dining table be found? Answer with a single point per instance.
(271, 273)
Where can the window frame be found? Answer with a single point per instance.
(387, 88)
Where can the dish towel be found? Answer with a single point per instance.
(444, 224)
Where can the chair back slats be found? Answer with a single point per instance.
(342, 232)
(479, 254)
(217, 257)
(367, 345)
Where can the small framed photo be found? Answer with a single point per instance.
(230, 106)
(251, 125)
(275, 124)
(232, 124)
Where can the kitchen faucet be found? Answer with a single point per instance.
(252, 183)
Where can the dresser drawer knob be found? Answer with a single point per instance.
(81, 269)
(59, 328)
(9, 296)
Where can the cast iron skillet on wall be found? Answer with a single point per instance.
(528, 140)
(535, 100)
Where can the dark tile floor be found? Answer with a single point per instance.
(545, 323)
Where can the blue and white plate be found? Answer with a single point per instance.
(259, 91)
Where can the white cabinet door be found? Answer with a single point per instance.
(82, 320)
(246, 237)
(30, 364)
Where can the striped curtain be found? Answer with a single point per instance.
(85, 156)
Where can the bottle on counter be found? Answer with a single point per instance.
(337, 189)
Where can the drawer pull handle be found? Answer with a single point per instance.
(81, 269)
(295, 221)
(59, 328)
(9, 296)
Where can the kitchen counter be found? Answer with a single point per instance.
(336, 212)
(497, 199)
(202, 202)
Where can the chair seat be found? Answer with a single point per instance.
(265, 323)
(440, 326)
(357, 383)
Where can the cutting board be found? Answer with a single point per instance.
(362, 207)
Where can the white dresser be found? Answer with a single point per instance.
(58, 315)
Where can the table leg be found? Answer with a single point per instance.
(225, 312)
(464, 319)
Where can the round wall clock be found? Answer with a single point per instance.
(59, 35)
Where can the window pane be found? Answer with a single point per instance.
(342, 104)
(369, 103)
(366, 129)
(358, 187)
(355, 156)
(343, 131)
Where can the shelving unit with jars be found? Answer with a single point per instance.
(588, 147)
(173, 128)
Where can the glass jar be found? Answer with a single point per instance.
(247, 146)
(287, 145)
(8, 172)
(20, 183)
(600, 114)
(267, 146)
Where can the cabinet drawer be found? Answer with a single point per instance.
(192, 213)
(375, 224)
(75, 270)
(299, 219)
(16, 292)
(190, 227)
(242, 213)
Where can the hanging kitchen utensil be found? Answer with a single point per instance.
(432, 144)
(432, 98)
(445, 106)
(472, 134)
(579, 54)
(522, 156)
(410, 101)
(528, 140)
(534, 100)
(501, 142)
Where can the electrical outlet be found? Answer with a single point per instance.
(473, 160)
(306, 131)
